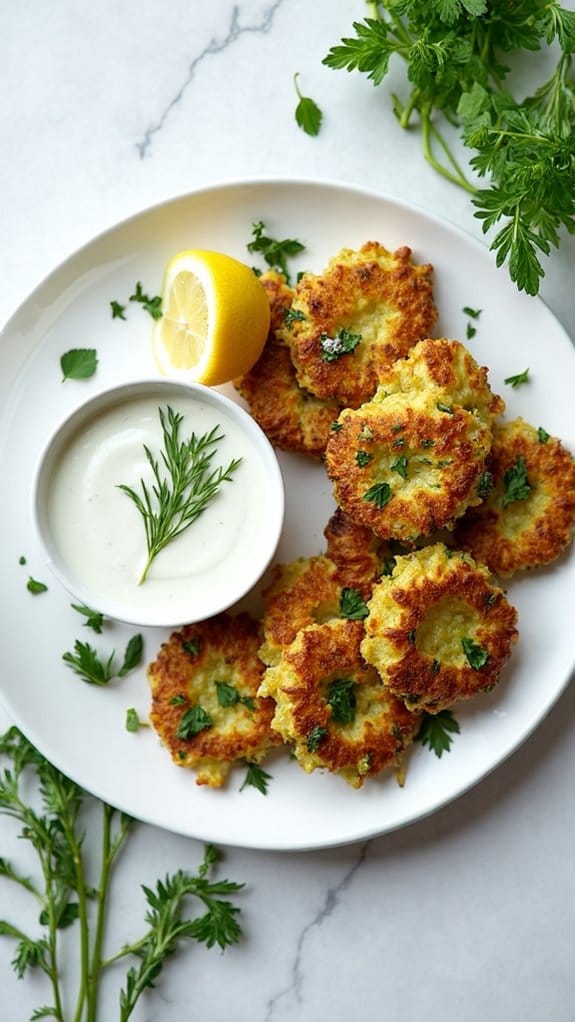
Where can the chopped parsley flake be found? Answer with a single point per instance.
(363, 458)
(293, 315)
(315, 737)
(484, 485)
(256, 778)
(400, 466)
(334, 347)
(341, 698)
(379, 493)
(352, 605)
(542, 435)
(516, 483)
(477, 657)
(516, 381)
(193, 721)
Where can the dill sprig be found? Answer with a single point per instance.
(59, 828)
(176, 500)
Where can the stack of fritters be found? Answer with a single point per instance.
(331, 337)
(412, 460)
(356, 643)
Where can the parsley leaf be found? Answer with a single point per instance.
(78, 364)
(363, 458)
(35, 587)
(256, 778)
(133, 722)
(132, 655)
(307, 114)
(484, 485)
(379, 493)
(228, 695)
(152, 305)
(516, 381)
(118, 311)
(342, 700)
(400, 466)
(85, 662)
(436, 730)
(94, 619)
(275, 253)
(333, 348)
(193, 721)
(542, 435)
(476, 655)
(352, 605)
(515, 482)
(315, 737)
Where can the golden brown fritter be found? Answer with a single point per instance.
(205, 706)
(529, 517)
(301, 593)
(405, 467)
(359, 555)
(291, 417)
(366, 310)
(447, 372)
(333, 708)
(438, 629)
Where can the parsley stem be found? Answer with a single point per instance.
(429, 132)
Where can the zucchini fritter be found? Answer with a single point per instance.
(333, 708)
(301, 593)
(205, 706)
(447, 372)
(359, 555)
(404, 467)
(366, 310)
(438, 629)
(529, 517)
(291, 417)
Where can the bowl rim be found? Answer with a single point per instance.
(108, 397)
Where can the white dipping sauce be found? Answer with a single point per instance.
(99, 532)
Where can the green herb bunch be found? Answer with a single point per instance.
(58, 830)
(457, 55)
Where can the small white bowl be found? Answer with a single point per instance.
(94, 535)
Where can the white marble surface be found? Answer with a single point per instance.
(469, 914)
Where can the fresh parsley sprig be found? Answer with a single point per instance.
(436, 731)
(59, 831)
(456, 54)
(177, 499)
(86, 662)
(275, 253)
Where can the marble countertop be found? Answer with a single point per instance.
(466, 915)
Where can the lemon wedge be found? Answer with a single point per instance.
(215, 318)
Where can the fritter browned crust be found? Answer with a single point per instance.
(304, 592)
(404, 467)
(438, 630)
(212, 668)
(379, 296)
(333, 708)
(447, 370)
(359, 555)
(518, 534)
(291, 417)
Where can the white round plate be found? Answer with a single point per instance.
(81, 728)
